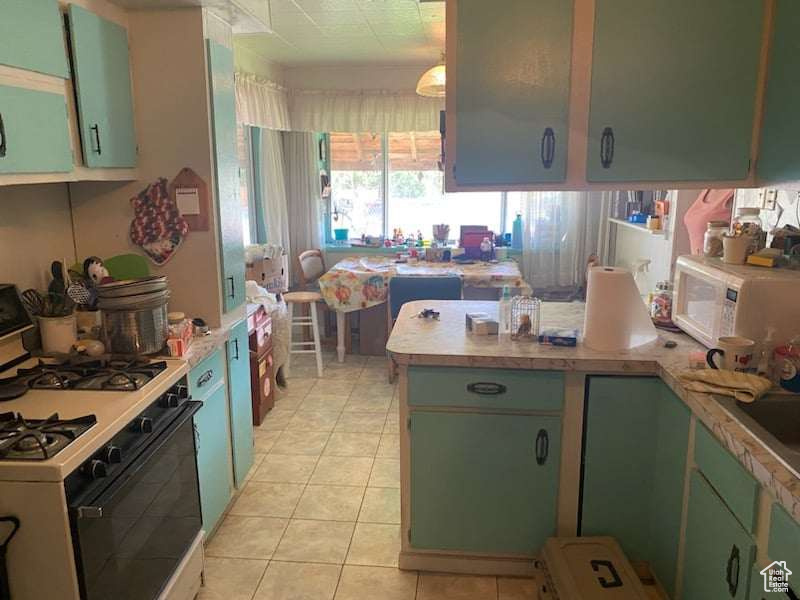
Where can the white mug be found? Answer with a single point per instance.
(736, 352)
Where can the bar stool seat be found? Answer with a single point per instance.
(311, 299)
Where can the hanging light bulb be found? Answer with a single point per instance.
(432, 82)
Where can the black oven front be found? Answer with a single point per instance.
(133, 523)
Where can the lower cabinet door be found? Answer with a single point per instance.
(213, 458)
(483, 483)
(34, 135)
(241, 402)
(719, 552)
(758, 585)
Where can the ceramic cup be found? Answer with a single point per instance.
(734, 249)
(736, 353)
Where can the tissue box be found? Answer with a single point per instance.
(559, 337)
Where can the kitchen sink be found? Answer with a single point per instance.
(775, 420)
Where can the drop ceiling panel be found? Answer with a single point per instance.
(390, 32)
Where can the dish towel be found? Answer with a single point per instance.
(744, 387)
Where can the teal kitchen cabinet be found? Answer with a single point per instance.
(241, 404)
(213, 439)
(512, 81)
(223, 125)
(483, 483)
(778, 160)
(32, 37)
(673, 89)
(719, 553)
(103, 89)
(34, 135)
(636, 440)
(784, 540)
(757, 591)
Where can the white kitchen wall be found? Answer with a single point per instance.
(35, 230)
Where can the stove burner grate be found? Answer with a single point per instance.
(38, 439)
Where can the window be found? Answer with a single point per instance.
(246, 189)
(382, 182)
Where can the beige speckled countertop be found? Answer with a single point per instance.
(446, 342)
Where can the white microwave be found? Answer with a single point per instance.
(713, 299)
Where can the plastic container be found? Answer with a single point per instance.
(747, 222)
(340, 235)
(661, 305)
(58, 333)
(712, 239)
(504, 313)
(734, 249)
(516, 233)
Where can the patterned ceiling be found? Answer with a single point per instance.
(330, 32)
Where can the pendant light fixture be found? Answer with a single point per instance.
(432, 82)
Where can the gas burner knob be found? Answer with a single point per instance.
(182, 391)
(143, 425)
(170, 400)
(97, 469)
(112, 454)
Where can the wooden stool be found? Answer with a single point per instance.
(311, 299)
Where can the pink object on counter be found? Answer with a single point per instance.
(711, 205)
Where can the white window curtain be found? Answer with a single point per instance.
(561, 231)
(261, 103)
(302, 193)
(363, 110)
(273, 189)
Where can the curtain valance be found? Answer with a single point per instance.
(261, 103)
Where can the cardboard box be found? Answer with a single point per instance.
(272, 275)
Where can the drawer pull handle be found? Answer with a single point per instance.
(96, 129)
(548, 149)
(615, 581)
(205, 378)
(732, 573)
(2, 137)
(486, 388)
(542, 447)
(607, 148)
(233, 287)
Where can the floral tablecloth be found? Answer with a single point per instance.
(356, 283)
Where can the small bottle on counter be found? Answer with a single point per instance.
(748, 222)
(712, 239)
(504, 313)
(661, 305)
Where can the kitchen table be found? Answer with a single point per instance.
(355, 283)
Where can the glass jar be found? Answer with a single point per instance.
(748, 222)
(712, 239)
(661, 304)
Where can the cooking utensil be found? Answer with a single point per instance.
(13, 522)
(79, 294)
(33, 301)
(141, 330)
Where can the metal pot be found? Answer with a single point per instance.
(140, 330)
(132, 287)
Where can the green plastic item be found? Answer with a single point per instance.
(127, 266)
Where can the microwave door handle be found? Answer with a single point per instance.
(135, 464)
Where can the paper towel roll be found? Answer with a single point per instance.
(616, 318)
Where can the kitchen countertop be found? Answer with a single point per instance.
(205, 345)
(446, 342)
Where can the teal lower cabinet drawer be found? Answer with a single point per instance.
(483, 483)
(729, 478)
(205, 375)
(486, 388)
(719, 553)
(757, 591)
(34, 135)
(214, 467)
(784, 540)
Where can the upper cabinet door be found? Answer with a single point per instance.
(512, 78)
(103, 86)
(34, 136)
(223, 126)
(32, 36)
(673, 89)
(778, 160)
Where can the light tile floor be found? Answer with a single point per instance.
(319, 517)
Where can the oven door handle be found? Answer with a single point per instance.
(94, 510)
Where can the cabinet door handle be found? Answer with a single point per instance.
(732, 572)
(615, 581)
(548, 148)
(233, 287)
(486, 388)
(542, 446)
(205, 378)
(607, 148)
(2, 137)
(236, 346)
(96, 129)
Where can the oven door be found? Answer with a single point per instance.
(132, 536)
(698, 304)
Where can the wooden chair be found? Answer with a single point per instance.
(310, 267)
(404, 289)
